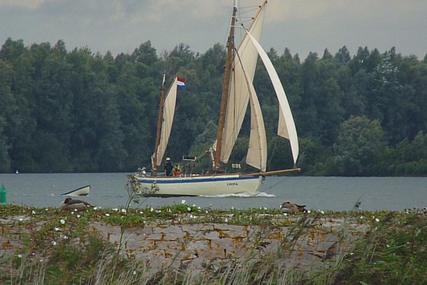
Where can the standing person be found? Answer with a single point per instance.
(168, 166)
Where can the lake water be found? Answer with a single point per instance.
(327, 193)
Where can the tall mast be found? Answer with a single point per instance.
(159, 125)
(225, 88)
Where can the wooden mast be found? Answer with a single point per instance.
(225, 89)
(159, 125)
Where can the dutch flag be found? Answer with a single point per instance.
(180, 82)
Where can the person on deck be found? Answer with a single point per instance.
(168, 166)
(176, 171)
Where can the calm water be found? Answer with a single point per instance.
(334, 193)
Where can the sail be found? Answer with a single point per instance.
(167, 121)
(286, 126)
(257, 152)
(238, 94)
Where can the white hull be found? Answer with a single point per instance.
(196, 185)
(82, 191)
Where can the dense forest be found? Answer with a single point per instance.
(80, 111)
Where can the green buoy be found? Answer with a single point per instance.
(2, 195)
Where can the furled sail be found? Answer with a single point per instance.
(167, 121)
(238, 94)
(286, 126)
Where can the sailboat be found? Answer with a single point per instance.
(237, 93)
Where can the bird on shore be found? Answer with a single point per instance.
(71, 204)
(290, 208)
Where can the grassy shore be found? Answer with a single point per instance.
(185, 244)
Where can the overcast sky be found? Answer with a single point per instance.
(301, 25)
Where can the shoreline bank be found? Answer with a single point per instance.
(185, 238)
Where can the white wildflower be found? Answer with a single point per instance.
(207, 212)
(285, 214)
(151, 210)
(115, 209)
(361, 217)
(134, 272)
(199, 208)
(189, 209)
(72, 213)
(65, 237)
(322, 212)
(194, 205)
(78, 216)
(123, 210)
(62, 221)
(107, 214)
(183, 201)
(141, 212)
(53, 242)
(75, 210)
(232, 208)
(377, 220)
(19, 255)
(95, 208)
(21, 219)
(33, 212)
(308, 211)
(351, 253)
(226, 220)
(56, 229)
(387, 245)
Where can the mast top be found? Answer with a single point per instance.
(236, 3)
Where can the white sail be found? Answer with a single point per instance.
(286, 126)
(257, 152)
(167, 121)
(239, 94)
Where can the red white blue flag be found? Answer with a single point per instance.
(180, 82)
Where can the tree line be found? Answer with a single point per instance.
(80, 111)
